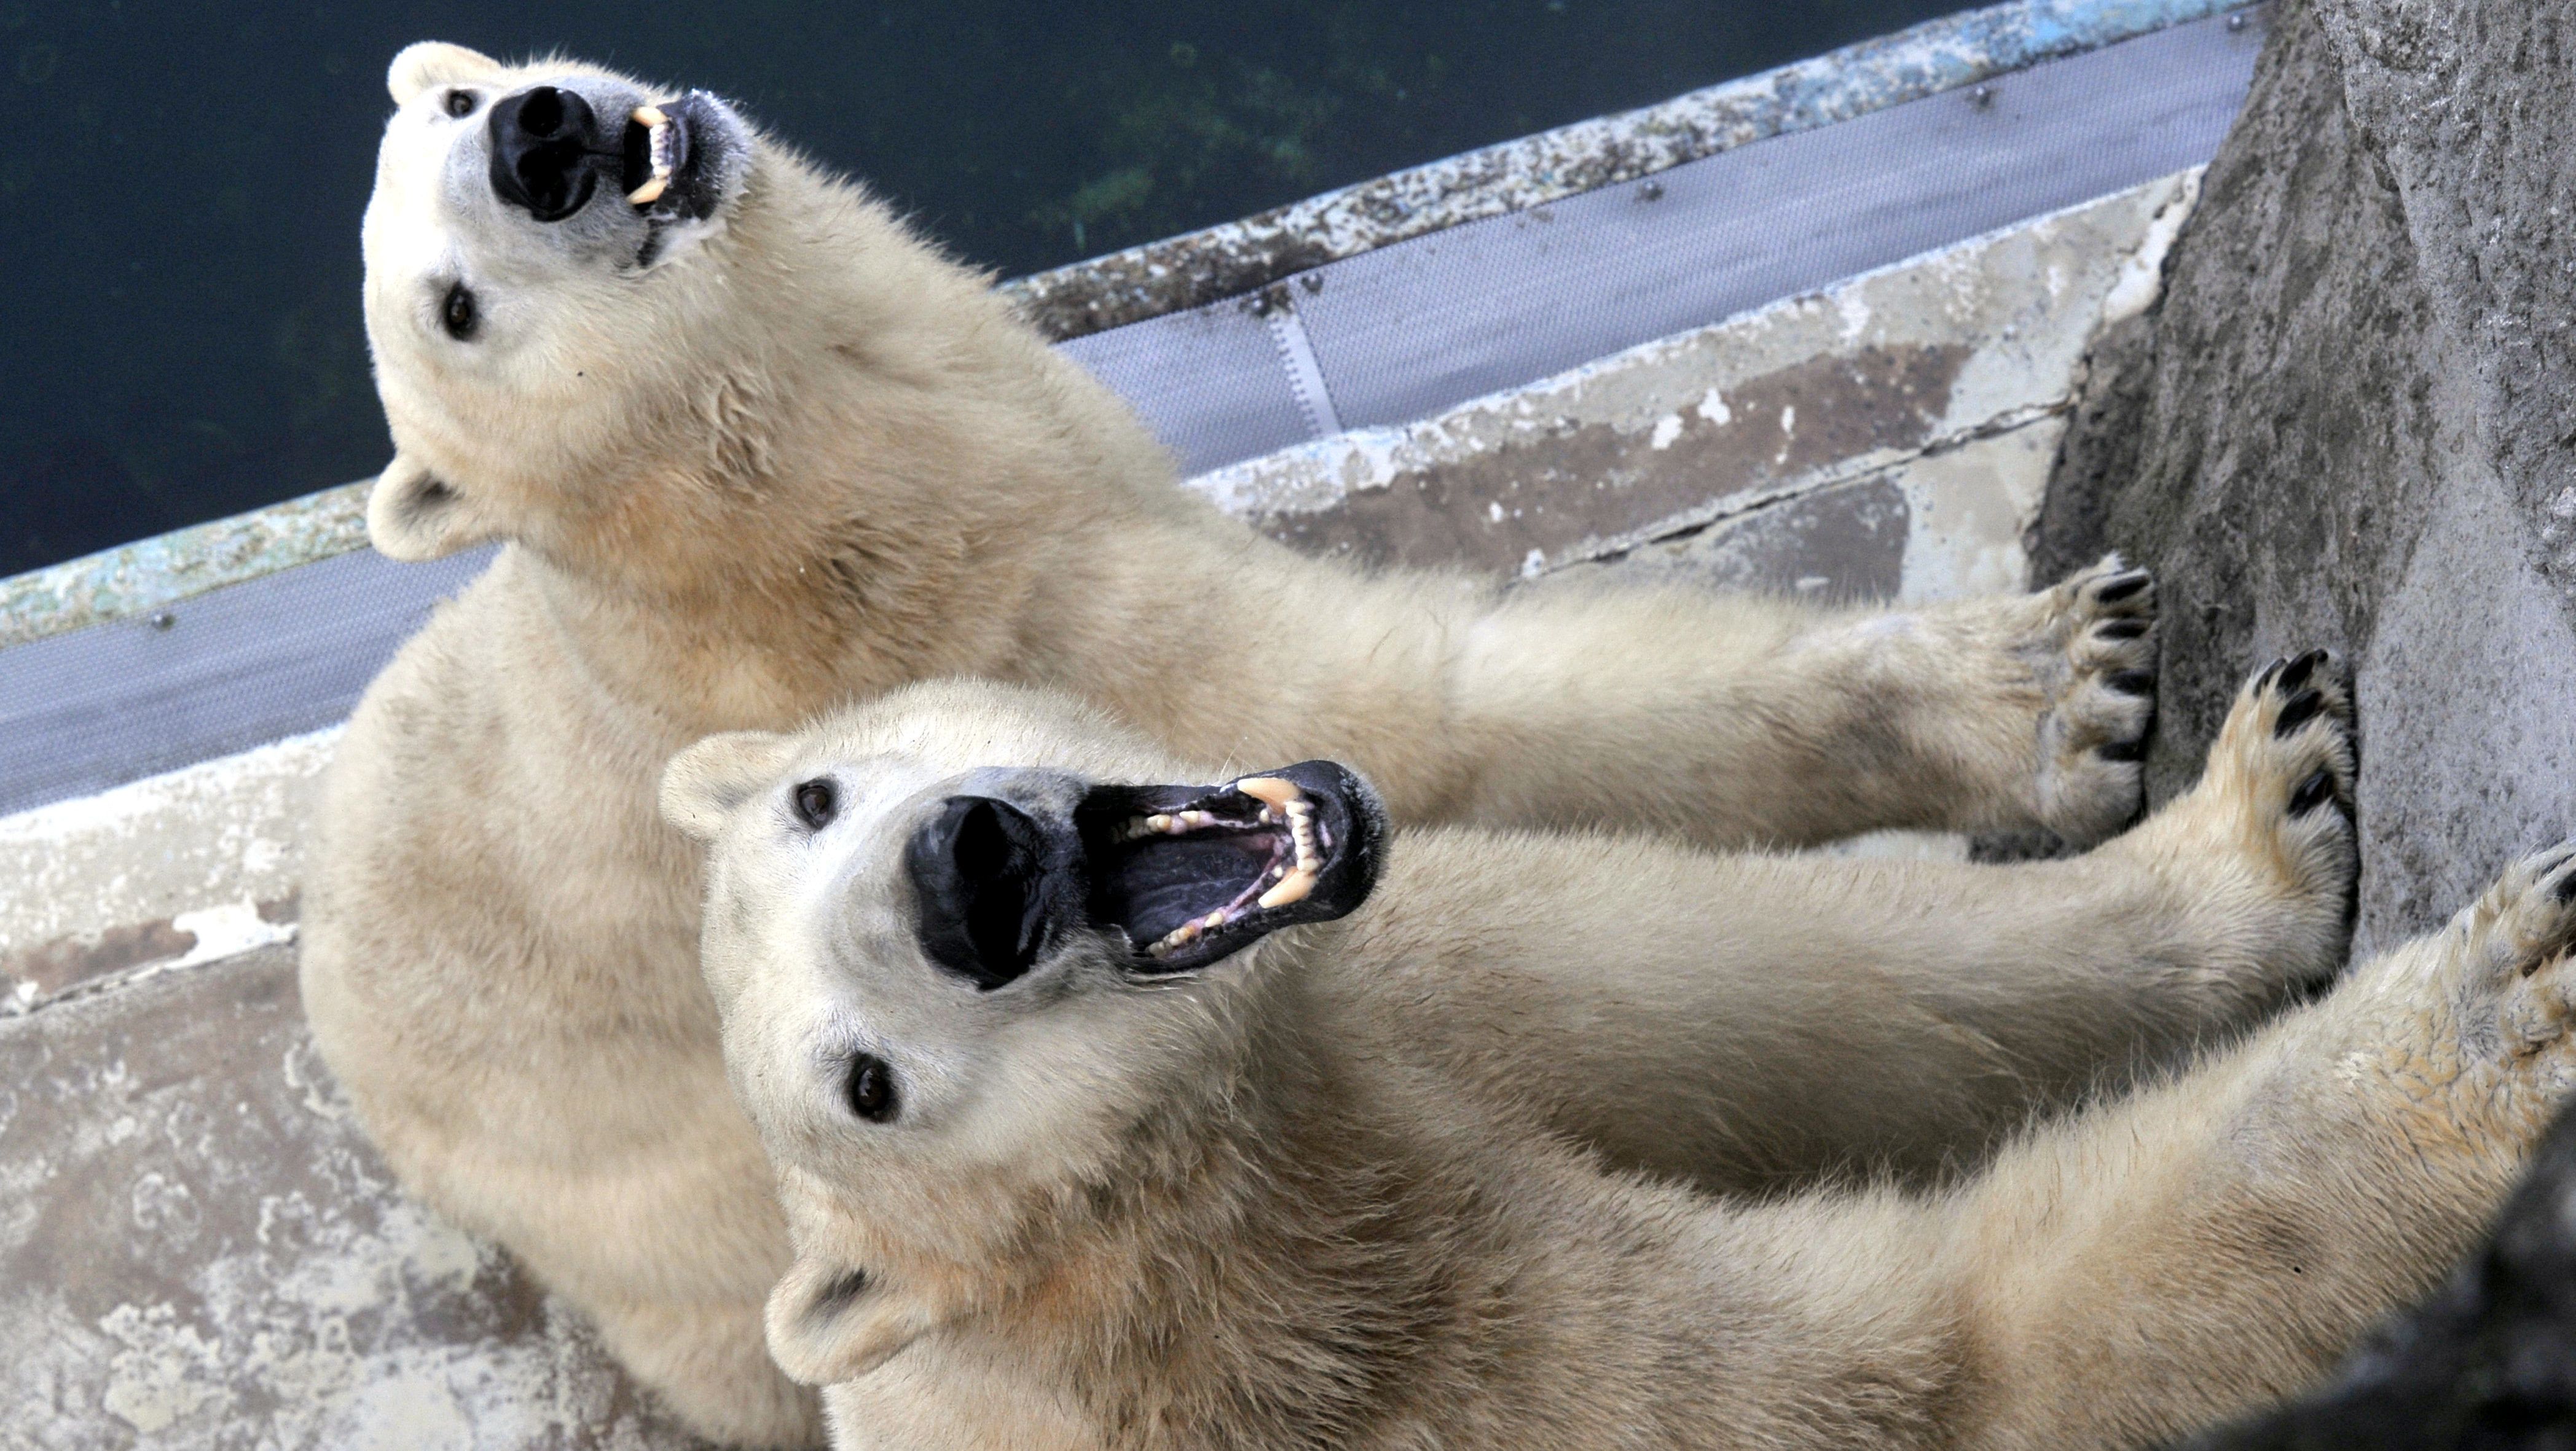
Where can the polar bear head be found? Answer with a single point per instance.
(956, 994)
(535, 251)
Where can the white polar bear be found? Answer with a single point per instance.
(755, 450)
(1062, 1172)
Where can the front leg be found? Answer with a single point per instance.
(1753, 1022)
(1735, 720)
(2218, 1244)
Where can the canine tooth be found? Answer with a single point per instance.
(650, 192)
(650, 115)
(1273, 789)
(1291, 890)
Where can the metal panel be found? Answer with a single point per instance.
(232, 669)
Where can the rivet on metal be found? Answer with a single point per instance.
(2236, 22)
(1982, 97)
(1652, 191)
(162, 619)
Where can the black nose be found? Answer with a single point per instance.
(991, 884)
(544, 142)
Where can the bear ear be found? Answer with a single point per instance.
(414, 515)
(829, 1322)
(704, 783)
(428, 63)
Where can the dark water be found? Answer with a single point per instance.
(180, 184)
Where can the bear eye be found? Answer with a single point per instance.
(460, 103)
(871, 1088)
(815, 803)
(458, 314)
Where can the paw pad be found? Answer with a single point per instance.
(2099, 665)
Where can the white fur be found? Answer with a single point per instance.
(1263, 1206)
(796, 458)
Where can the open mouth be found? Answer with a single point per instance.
(1191, 874)
(1184, 875)
(660, 169)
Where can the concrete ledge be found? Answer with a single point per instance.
(197, 1248)
(1245, 256)
(1867, 379)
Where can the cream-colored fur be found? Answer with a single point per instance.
(1257, 1206)
(751, 467)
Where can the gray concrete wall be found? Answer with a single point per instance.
(2352, 422)
(197, 1249)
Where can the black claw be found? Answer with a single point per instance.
(2296, 673)
(2120, 586)
(2132, 682)
(2565, 891)
(2301, 709)
(2313, 792)
(2120, 629)
(2124, 751)
(2264, 677)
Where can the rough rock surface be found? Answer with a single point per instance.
(2352, 422)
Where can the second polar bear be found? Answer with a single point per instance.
(754, 450)
(1064, 1172)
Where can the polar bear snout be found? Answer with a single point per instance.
(549, 150)
(553, 147)
(995, 886)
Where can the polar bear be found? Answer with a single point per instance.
(754, 450)
(1063, 1172)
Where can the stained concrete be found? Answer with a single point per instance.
(1570, 487)
(198, 1249)
(2348, 423)
(1912, 362)
(181, 868)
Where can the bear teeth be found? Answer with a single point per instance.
(1283, 885)
(657, 142)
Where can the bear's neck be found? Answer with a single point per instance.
(921, 488)
(1290, 1257)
